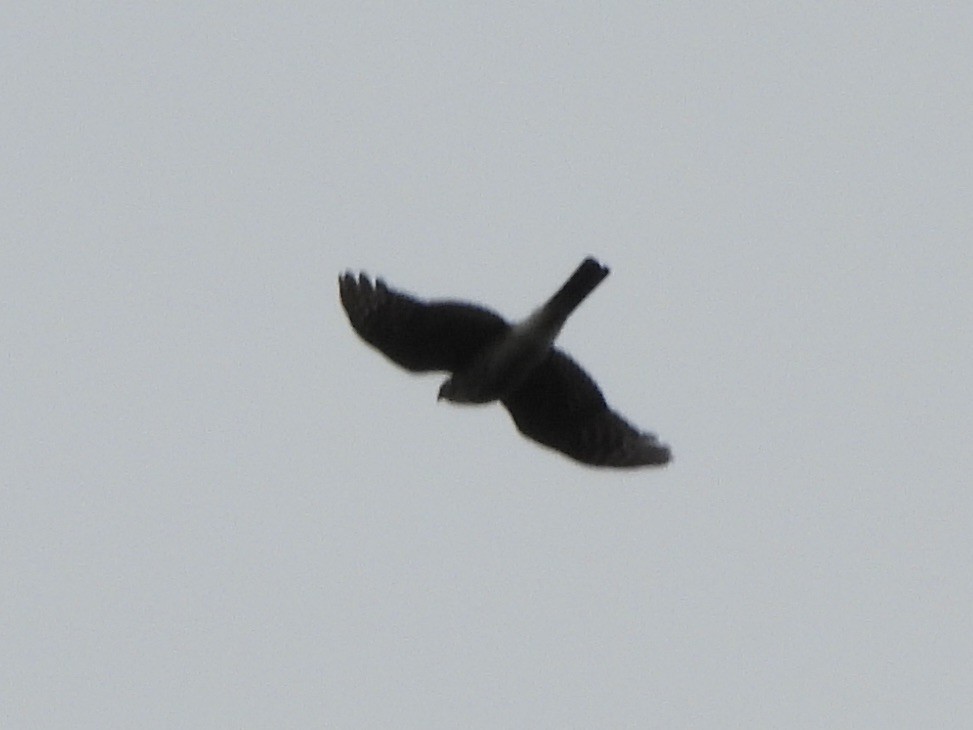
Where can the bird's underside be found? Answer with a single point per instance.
(551, 399)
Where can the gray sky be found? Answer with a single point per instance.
(221, 509)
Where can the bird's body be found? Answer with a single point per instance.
(500, 368)
(551, 399)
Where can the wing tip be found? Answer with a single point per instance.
(648, 450)
(635, 448)
(359, 295)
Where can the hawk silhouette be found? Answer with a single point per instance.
(551, 398)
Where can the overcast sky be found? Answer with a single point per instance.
(220, 509)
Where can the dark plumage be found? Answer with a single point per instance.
(551, 398)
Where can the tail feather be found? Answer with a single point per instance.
(582, 282)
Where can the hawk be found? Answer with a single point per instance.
(551, 399)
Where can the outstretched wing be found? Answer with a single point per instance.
(560, 406)
(417, 335)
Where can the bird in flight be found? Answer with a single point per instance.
(551, 399)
